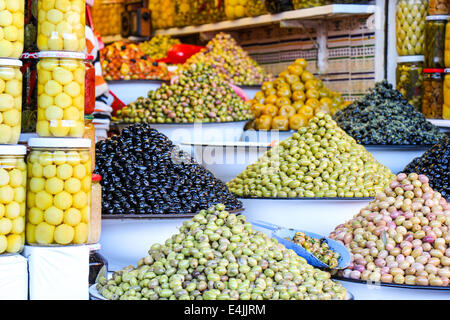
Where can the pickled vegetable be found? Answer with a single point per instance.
(218, 256)
(235, 9)
(31, 24)
(447, 46)
(158, 46)
(401, 237)
(302, 4)
(61, 25)
(435, 42)
(58, 197)
(10, 102)
(409, 79)
(292, 99)
(433, 95)
(384, 117)
(29, 92)
(446, 106)
(410, 26)
(164, 181)
(13, 176)
(162, 13)
(60, 97)
(320, 160)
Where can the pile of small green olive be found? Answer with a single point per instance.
(320, 160)
(318, 247)
(198, 95)
(218, 256)
(401, 237)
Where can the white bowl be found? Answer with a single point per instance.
(125, 241)
(225, 160)
(315, 215)
(129, 90)
(265, 136)
(396, 158)
(205, 132)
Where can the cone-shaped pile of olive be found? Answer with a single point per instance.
(144, 173)
(435, 164)
(231, 61)
(401, 237)
(319, 160)
(217, 256)
(292, 99)
(198, 95)
(384, 116)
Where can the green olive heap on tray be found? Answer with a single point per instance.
(401, 237)
(230, 61)
(198, 95)
(218, 256)
(318, 247)
(320, 160)
(384, 117)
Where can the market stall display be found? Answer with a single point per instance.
(10, 100)
(401, 237)
(13, 180)
(126, 61)
(292, 99)
(144, 173)
(61, 25)
(435, 164)
(61, 80)
(222, 259)
(229, 59)
(158, 46)
(59, 191)
(319, 160)
(410, 26)
(198, 95)
(384, 117)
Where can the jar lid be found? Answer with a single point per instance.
(59, 143)
(433, 70)
(401, 59)
(437, 17)
(30, 55)
(62, 54)
(96, 177)
(10, 62)
(13, 150)
(94, 247)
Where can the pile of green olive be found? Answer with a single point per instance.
(401, 237)
(198, 95)
(318, 247)
(218, 256)
(320, 160)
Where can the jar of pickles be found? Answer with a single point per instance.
(29, 91)
(61, 78)
(235, 9)
(13, 177)
(11, 28)
(10, 100)
(30, 32)
(447, 45)
(446, 105)
(409, 79)
(437, 7)
(410, 26)
(435, 41)
(302, 4)
(59, 191)
(61, 25)
(433, 94)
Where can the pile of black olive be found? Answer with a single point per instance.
(384, 117)
(144, 173)
(435, 164)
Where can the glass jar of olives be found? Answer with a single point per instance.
(61, 79)
(437, 7)
(410, 26)
(409, 79)
(59, 191)
(10, 100)
(435, 41)
(301, 4)
(446, 105)
(13, 177)
(432, 101)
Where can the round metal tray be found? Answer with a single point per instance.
(159, 216)
(393, 285)
(313, 198)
